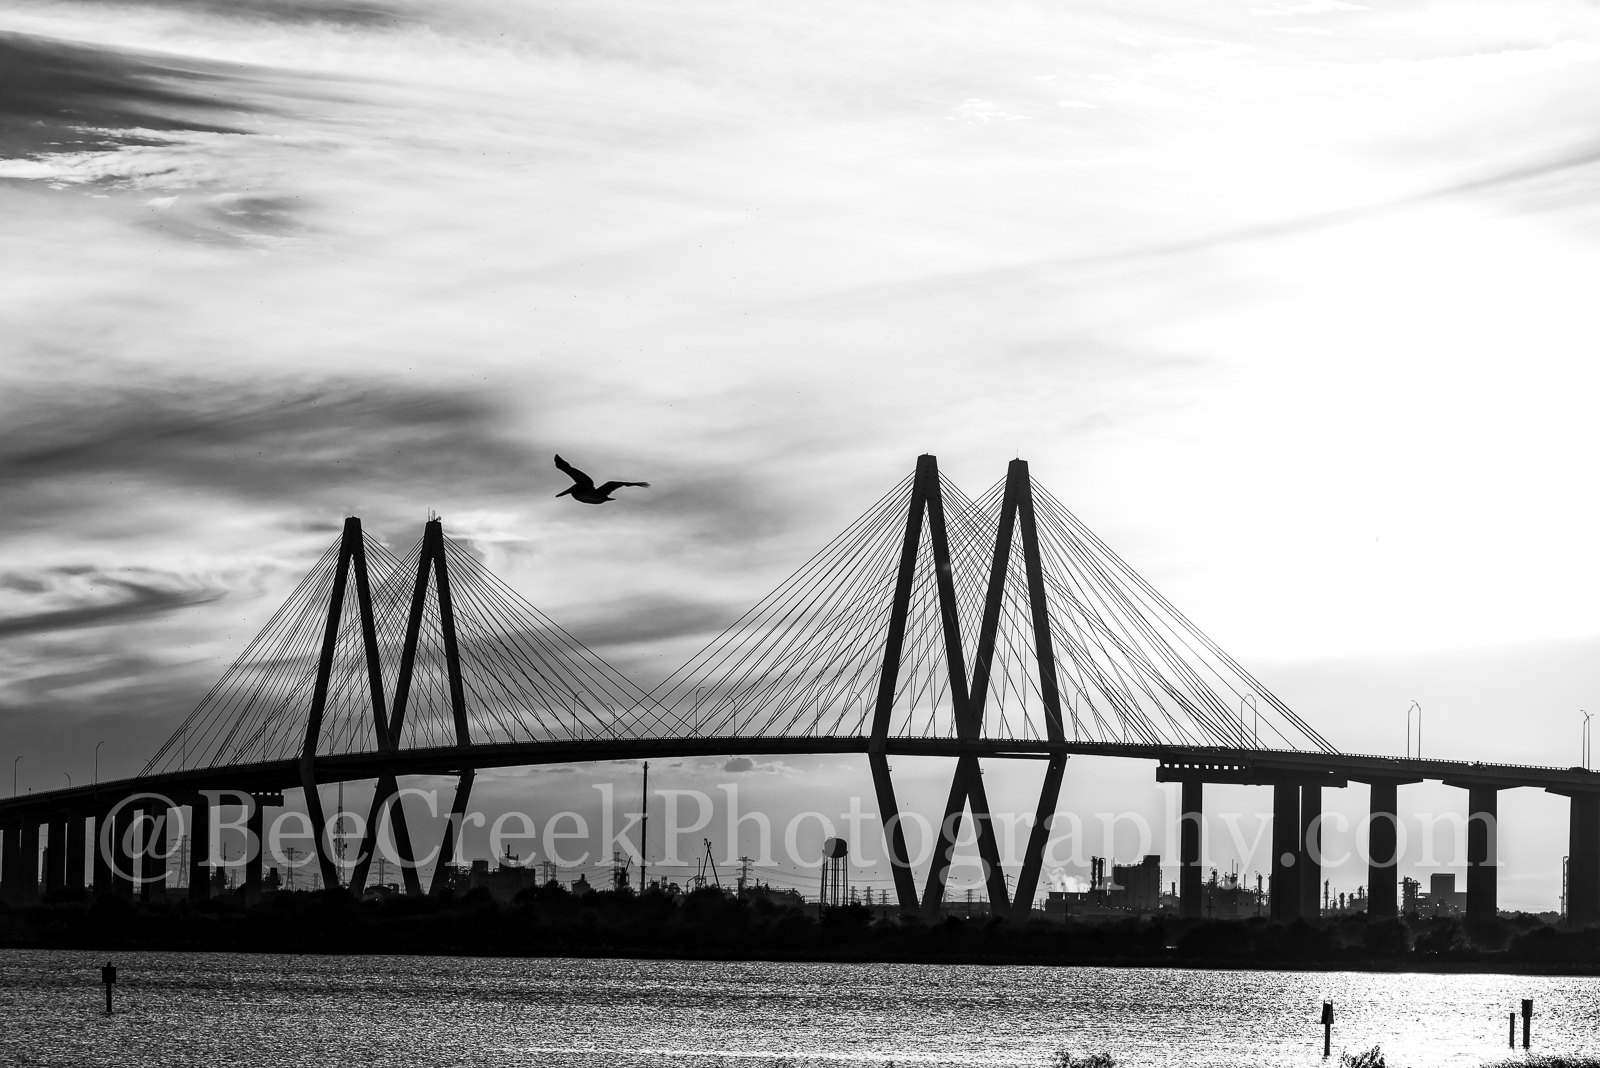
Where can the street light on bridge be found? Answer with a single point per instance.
(1586, 739)
(97, 746)
(14, 775)
(1417, 708)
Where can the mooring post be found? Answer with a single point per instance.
(1327, 1028)
(108, 976)
(1527, 1021)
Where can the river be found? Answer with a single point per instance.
(237, 1011)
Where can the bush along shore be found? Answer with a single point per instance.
(550, 921)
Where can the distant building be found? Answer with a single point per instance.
(1136, 887)
(506, 881)
(1129, 889)
(1442, 898)
(1226, 897)
(456, 879)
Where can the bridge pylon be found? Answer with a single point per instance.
(968, 696)
(927, 503)
(433, 560)
(352, 558)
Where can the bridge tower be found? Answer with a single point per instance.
(968, 697)
(432, 561)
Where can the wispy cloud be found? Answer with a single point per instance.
(65, 97)
(96, 599)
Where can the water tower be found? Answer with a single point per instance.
(835, 873)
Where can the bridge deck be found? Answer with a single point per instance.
(1207, 763)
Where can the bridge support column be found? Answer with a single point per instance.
(77, 830)
(967, 787)
(1583, 861)
(1189, 841)
(1038, 837)
(1309, 859)
(1285, 886)
(905, 882)
(104, 847)
(200, 848)
(1383, 840)
(28, 870)
(1482, 852)
(10, 857)
(384, 802)
(55, 848)
(452, 829)
(153, 862)
(122, 871)
(140, 863)
(254, 846)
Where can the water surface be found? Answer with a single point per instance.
(240, 1011)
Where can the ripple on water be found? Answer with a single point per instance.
(242, 1011)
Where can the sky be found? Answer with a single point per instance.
(1286, 300)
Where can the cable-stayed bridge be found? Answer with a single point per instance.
(936, 624)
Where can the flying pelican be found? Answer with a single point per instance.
(583, 487)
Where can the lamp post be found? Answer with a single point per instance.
(1417, 708)
(1587, 743)
(69, 780)
(97, 746)
(14, 776)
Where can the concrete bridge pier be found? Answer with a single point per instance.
(1190, 882)
(1308, 861)
(55, 853)
(153, 854)
(1482, 850)
(26, 887)
(1583, 859)
(10, 857)
(256, 846)
(1383, 848)
(121, 856)
(77, 829)
(1383, 840)
(1285, 877)
(199, 847)
(102, 863)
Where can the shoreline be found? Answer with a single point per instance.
(551, 923)
(616, 953)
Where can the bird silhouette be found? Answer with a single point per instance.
(583, 487)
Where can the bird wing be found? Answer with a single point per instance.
(583, 480)
(609, 486)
